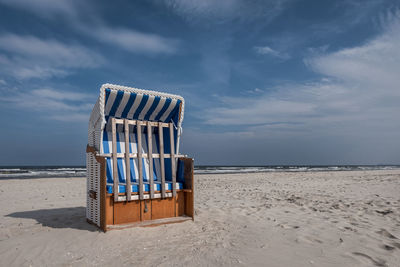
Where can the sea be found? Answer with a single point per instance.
(26, 172)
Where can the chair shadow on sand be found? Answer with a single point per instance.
(74, 218)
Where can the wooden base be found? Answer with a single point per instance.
(150, 223)
(146, 212)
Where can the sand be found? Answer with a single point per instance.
(344, 218)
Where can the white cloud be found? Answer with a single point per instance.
(127, 39)
(358, 94)
(73, 10)
(31, 57)
(134, 41)
(261, 110)
(53, 104)
(69, 55)
(206, 10)
(255, 91)
(46, 8)
(71, 117)
(60, 95)
(266, 50)
(373, 64)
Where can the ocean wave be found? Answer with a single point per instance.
(255, 169)
(36, 172)
(66, 171)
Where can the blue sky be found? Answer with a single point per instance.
(265, 82)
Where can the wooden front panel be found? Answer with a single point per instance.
(103, 200)
(189, 204)
(188, 172)
(180, 204)
(146, 209)
(163, 208)
(126, 212)
(189, 184)
(109, 210)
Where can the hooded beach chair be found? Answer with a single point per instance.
(135, 174)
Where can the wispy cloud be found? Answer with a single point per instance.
(27, 56)
(227, 10)
(134, 41)
(357, 93)
(50, 103)
(266, 50)
(255, 91)
(373, 65)
(206, 8)
(265, 109)
(74, 11)
(45, 8)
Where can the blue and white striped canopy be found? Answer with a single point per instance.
(135, 104)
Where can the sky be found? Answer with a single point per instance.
(278, 82)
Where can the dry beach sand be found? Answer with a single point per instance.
(344, 218)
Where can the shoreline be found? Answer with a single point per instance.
(390, 167)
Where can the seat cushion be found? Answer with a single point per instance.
(146, 187)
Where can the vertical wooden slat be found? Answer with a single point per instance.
(114, 159)
(173, 162)
(150, 157)
(162, 163)
(103, 188)
(127, 162)
(140, 163)
(189, 184)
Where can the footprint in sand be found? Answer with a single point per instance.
(395, 244)
(376, 262)
(308, 239)
(387, 247)
(386, 233)
(384, 212)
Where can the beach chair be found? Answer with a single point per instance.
(135, 174)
